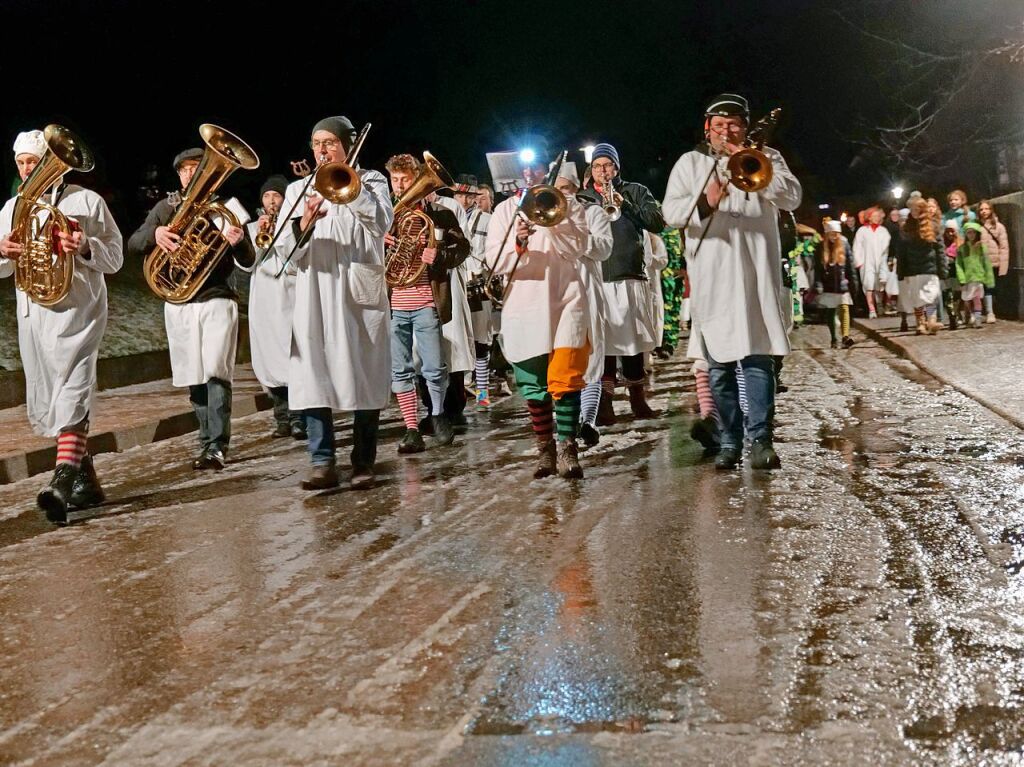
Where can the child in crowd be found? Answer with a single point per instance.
(951, 286)
(833, 274)
(958, 209)
(922, 264)
(973, 270)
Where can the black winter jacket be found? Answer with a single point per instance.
(916, 257)
(640, 213)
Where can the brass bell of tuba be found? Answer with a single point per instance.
(750, 170)
(44, 271)
(177, 277)
(403, 261)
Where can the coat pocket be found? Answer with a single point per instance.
(366, 284)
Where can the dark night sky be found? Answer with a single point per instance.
(455, 76)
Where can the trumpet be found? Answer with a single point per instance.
(611, 202)
(265, 235)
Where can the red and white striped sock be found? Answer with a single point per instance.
(71, 448)
(408, 403)
(704, 399)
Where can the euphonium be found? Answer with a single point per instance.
(177, 277)
(44, 271)
(403, 261)
(750, 170)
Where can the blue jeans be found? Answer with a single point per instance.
(759, 375)
(425, 325)
(321, 443)
(211, 402)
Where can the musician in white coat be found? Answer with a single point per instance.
(599, 248)
(60, 344)
(341, 324)
(271, 301)
(736, 280)
(545, 320)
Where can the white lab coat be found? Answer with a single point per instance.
(60, 344)
(473, 266)
(341, 324)
(599, 248)
(545, 304)
(271, 302)
(656, 259)
(871, 257)
(736, 277)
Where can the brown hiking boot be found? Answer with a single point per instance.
(569, 460)
(546, 465)
(322, 477)
(638, 401)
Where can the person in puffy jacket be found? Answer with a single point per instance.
(993, 237)
(974, 270)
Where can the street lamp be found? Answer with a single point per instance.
(588, 152)
(897, 193)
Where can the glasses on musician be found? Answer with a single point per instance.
(326, 144)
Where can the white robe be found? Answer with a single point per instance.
(546, 301)
(599, 248)
(341, 325)
(60, 344)
(656, 259)
(271, 302)
(736, 277)
(202, 336)
(871, 257)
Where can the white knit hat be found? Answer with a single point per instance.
(30, 142)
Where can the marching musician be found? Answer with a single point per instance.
(479, 303)
(630, 331)
(60, 344)
(202, 333)
(598, 250)
(546, 319)
(736, 279)
(340, 324)
(419, 312)
(271, 301)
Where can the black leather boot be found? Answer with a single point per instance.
(54, 500)
(86, 490)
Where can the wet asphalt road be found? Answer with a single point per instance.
(860, 606)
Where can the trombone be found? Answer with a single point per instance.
(541, 205)
(337, 183)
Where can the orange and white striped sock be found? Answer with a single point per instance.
(71, 448)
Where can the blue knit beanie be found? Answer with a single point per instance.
(606, 150)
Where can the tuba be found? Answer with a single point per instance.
(177, 277)
(750, 170)
(44, 271)
(403, 261)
